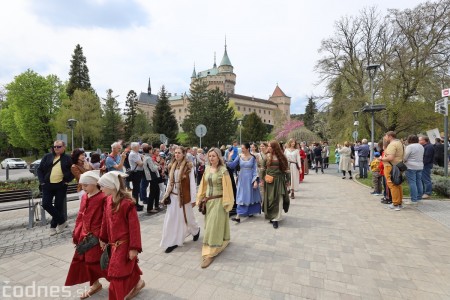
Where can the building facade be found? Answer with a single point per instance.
(272, 111)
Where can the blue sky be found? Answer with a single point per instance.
(128, 41)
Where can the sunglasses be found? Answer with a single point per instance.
(57, 147)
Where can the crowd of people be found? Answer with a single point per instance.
(238, 181)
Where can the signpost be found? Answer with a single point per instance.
(200, 131)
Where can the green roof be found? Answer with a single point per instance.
(213, 71)
(225, 59)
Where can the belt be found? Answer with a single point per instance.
(117, 243)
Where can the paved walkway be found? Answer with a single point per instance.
(336, 242)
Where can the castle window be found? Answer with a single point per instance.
(185, 109)
(264, 120)
(264, 111)
(269, 112)
(254, 109)
(179, 110)
(269, 121)
(239, 108)
(244, 108)
(259, 111)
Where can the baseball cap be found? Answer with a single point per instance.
(377, 154)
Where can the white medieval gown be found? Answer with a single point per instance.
(175, 229)
(294, 160)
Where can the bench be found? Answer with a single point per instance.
(71, 189)
(16, 196)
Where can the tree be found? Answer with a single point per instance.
(130, 113)
(141, 123)
(412, 48)
(253, 129)
(29, 112)
(310, 112)
(112, 120)
(164, 121)
(211, 108)
(85, 107)
(79, 72)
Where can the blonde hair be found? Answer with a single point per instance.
(219, 155)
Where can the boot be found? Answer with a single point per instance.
(292, 194)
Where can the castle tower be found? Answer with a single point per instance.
(283, 102)
(226, 72)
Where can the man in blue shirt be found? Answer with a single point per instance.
(363, 154)
(115, 160)
(428, 157)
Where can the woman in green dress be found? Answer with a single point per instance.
(277, 179)
(215, 188)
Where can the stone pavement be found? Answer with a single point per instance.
(336, 242)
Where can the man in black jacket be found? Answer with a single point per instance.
(439, 153)
(54, 174)
(428, 157)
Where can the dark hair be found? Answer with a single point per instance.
(76, 155)
(282, 160)
(247, 146)
(146, 149)
(95, 158)
(438, 140)
(413, 139)
(256, 147)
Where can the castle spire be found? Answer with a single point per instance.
(194, 74)
(215, 65)
(149, 88)
(225, 59)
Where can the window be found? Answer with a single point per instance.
(239, 108)
(269, 121)
(259, 111)
(264, 120)
(244, 108)
(179, 110)
(264, 111)
(269, 112)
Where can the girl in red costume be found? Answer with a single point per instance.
(86, 267)
(121, 230)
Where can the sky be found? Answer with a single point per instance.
(126, 42)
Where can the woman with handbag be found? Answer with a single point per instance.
(248, 198)
(294, 160)
(85, 265)
(179, 198)
(215, 199)
(277, 180)
(121, 233)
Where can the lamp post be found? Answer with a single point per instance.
(372, 70)
(356, 124)
(71, 123)
(240, 131)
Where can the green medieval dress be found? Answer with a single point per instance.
(275, 193)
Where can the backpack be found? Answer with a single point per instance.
(396, 175)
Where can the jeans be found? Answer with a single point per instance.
(143, 192)
(136, 181)
(426, 179)
(57, 190)
(318, 161)
(414, 178)
(153, 200)
(363, 167)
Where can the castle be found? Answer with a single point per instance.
(272, 111)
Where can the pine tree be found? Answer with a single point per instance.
(79, 72)
(164, 121)
(130, 113)
(112, 120)
(310, 112)
(253, 129)
(198, 100)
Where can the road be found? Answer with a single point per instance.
(15, 174)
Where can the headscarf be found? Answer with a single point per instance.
(112, 179)
(89, 177)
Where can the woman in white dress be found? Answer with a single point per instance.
(294, 160)
(180, 197)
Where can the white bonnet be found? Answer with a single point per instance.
(90, 177)
(112, 179)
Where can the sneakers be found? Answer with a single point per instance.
(61, 227)
(425, 196)
(407, 202)
(52, 231)
(394, 207)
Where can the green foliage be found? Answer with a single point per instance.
(441, 185)
(303, 134)
(164, 121)
(112, 120)
(253, 129)
(149, 138)
(141, 123)
(182, 138)
(130, 113)
(212, 109)
(79, 72)
(29, 112)
(310, 112)
(85, 107)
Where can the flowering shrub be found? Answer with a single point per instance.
(283, 132)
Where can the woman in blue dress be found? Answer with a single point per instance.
(248, 198)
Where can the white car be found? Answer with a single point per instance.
(14, 163)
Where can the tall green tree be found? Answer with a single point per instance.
(212, 109)
(254, 130)
(29, 112)
(141, 123)
(130, 113)
(85, 107)
(79, 72)
(164, 121)
(112, 120)
(310, 112)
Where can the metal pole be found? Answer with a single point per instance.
(240, 133)
(72, 137)
(200, 141)
(7, 172)
(446, 140)
(372, 135)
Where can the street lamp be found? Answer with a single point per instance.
(356, 124)
(372, 70)
(240, 131)
(71, 123)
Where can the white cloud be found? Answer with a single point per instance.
(268, 42)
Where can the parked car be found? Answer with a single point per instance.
(34, 165)
(14, 163)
